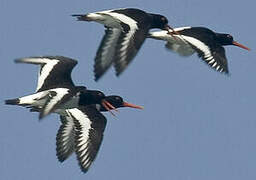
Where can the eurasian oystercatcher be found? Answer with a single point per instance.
(126, 30)
(208, 44)
(55, 90)
(82, 131)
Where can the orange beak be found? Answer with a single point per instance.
(126, 104)
(108, 106)
(240, 45)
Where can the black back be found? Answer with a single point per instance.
(90, 97)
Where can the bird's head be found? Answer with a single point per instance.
(89, 97)
(227, 39)
(117, 102)
(160, 22)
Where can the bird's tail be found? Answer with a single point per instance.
(12, 101)
(31, 100)
(82, 17)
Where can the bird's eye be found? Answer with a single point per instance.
(229, 36)
(163, 19)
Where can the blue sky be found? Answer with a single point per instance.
(197, 124)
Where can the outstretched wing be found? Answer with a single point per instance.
(65, 139)
(89, 127)
(203, 40)
(55, 71)
(106, 51)
(213, 55)
(127, 48)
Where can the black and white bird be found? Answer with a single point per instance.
(207, 44)
(126, 30)
(55, 90)
(82, 131)
(82, 123)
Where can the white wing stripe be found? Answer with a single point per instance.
(133, 27)
(85, 126)
(180, 28)
(209, 58)
(83, 138)
(60, 93)
(125, 19)
(125, 44)
(85, 159)
(217, 68)
(48, 65)
(199, 45)
(214, 64)
(67, 130)
(213, 60)
(108, 50)
(82, 144)
(34, 60)
(45, 71)
(83, 152)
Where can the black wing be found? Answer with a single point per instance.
(89, 125)
(65, 139)
(127, 48)
(215, 57)
(106, 52)
(55, 71)
(203, 40)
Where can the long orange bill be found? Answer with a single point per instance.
(126, 104)
(111, 106)
(108, 106)
(240, 45)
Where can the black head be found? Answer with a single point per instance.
(89, 97)
(159, 21)
(224, 39)
(227, 39)
(117, 102)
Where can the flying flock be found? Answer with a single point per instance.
(80, 109)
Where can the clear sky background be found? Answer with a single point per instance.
(197, 124)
